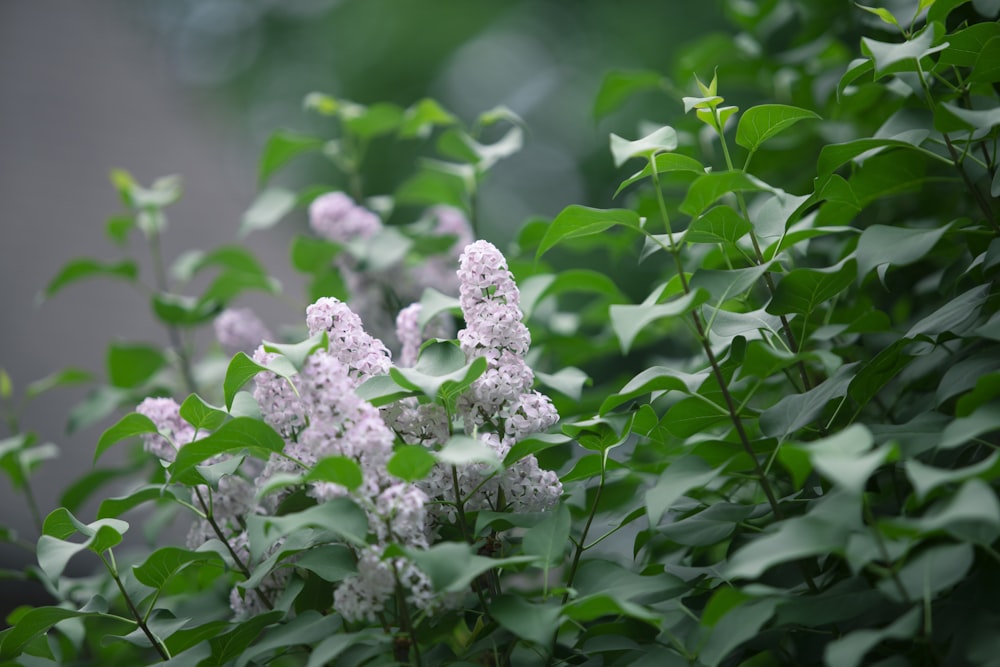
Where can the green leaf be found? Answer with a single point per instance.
(307, 629)
(925, 478)
(882, 246)
(656, 380)
(281, 147)
(681, 476)
(381, 390)
(115, 507)
(452, 567)
(183, 310)
(230, 284)
(855, 70)
(547, 540)
(532, 445)
(270, 206)
(241, 368)
(373, 121)
(665, 163)
(720, 224)
(298, 353)
(663, 140)
(575, 221)
(338, 470)
(37, 621)
(846, 458)
(796, 411)
(195, 411)
(438, 183)
(236, 435)
(538, 287)
(567, 381)
(312, 255)
(163, 563)
(118, 227)
(422, 117)
(893, 57)
(979, 120)
(850, 650)
(433, 303)
(411, 463)
(534, 622)
(987, 67)
(595, 606)
(81, 269)
(883, 14)
(833, 156)
(129, 426)
(462, 450)
(760, 123)
(228, 646)
(694, 414)
(431, 375)
(129, 365)
(331, 562)
(734, 628)
(956, 316)
(628, 320)
(63, 378)
(708, 188)
(801, 291)
(823, 530)
(965, 45)
(340, 516)
(985, 419)
(618, 85)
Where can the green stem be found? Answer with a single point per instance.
(759, 255)
(580, 548)
(172, 331)
(139, 618)
(404, 617)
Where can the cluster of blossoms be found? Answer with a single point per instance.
(336, 217)
(240, 330)
(500, 406)
(319, 415)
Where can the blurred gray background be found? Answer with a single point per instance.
(194, 87)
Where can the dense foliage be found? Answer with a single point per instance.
(762, 431)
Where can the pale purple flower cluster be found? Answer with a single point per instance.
(174, 431)
(501, 401)
(409, 335)
(280, 405)
(439, 271)
(336, 217)
(240, 330)
(364, 355)
(363, 596)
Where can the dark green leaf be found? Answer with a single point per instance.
(312, 255)
(411, 463)
(452, 567)
(796, 411)
(880, 246)
(665, 163)
(63, 378)
(547, 541)
(655, 380)
(680, 477)
(802, 290)
(534, 622)
(422, 117)
(163, 563)
(850, 650)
